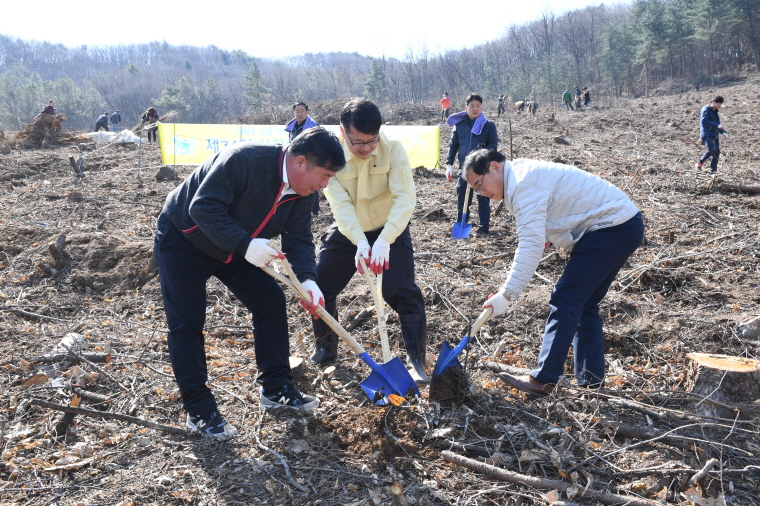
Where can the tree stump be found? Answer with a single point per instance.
(727, 380)
(296, 367)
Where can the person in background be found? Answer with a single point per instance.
(445, 106)
(50, 109)
(471, 131)
(580, 212)
(150, 117)
(300, 122)
(102, 122)
(567, 99)
(372, 200)
(500, 108)
(532, 106)
(710, 128)
(586, 97)
(218, 223)
(115, 120)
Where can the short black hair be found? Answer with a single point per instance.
(300, 103)
(51, 101)
(718, 99)
(471, 97)
(479, 160)
(320, 147)
(362, 115)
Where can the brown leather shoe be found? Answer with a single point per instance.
(528, 383)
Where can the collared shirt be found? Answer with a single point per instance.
(287, 190)
(374, 192)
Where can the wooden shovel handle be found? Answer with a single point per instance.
(466, 207)
(298, 288)
(377, 297)
(484, 316)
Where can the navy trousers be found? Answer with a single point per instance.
(335, 267)
(574, 317)
(484, 205)
(184, 271)
(713, 150)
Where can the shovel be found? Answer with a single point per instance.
(388, 383)
(461, 229)
(447, 358)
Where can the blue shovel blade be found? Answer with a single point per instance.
(447, 358)
(385, 379)
(461, 229)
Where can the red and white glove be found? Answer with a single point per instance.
(317, 299)
(362, 250)
(499, 302)
(259, 253)
(450, 173)
(381, 252)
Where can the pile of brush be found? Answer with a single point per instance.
(46, 130)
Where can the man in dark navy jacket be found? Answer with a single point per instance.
(218, 223)
(471, 131)
(710, 128)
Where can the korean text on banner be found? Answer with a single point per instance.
(192, 144)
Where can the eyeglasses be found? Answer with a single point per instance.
(362, 144)
(478, 185)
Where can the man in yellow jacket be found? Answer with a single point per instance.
(372, 200)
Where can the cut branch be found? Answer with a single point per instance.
(544, 483)
(109, 416)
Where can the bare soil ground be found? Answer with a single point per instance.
(685, 290)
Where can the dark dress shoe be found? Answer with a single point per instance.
(528, 383)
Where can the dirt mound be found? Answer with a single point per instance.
(91, 262)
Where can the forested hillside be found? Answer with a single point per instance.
(623, 51)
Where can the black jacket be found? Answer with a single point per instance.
(233, 197)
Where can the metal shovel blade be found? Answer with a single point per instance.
(388, 383)
(447, 358)
(461, 229)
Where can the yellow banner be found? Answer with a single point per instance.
(192, 144)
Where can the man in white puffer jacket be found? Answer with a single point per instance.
(574, 210)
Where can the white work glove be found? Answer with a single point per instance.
(725, 135)
(381, 251)
(720, 127)
(362, 250)
(259, 253)
(498, 302)
(317, 299)
(450, 172)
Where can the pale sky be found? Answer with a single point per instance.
(275, 29)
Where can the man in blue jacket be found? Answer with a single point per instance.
(218, 222)
(102, 122)
(115, 120)
(710, 128)
(300, 122)
(471, 131)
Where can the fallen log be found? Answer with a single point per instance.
(735, 188)
(109, 416)
(545, 483)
